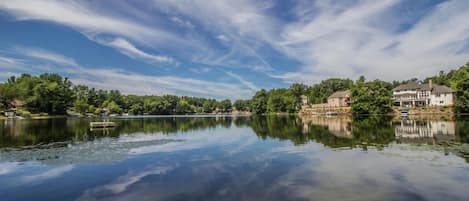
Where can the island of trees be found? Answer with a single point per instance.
(51, 94)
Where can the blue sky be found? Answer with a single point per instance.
(230, 49)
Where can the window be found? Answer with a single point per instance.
(441, 102)
(423, 94)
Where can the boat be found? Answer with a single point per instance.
(105, 124)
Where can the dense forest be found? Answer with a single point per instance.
(53, 94)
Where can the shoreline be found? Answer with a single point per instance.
(123, 117)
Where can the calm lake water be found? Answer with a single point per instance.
(235, 158)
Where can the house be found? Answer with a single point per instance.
(304, 100)
(339, 99)
(415, 94)
(15, 104)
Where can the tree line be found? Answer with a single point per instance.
(368, 97)
(53, 94)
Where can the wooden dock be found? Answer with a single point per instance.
(105, 124)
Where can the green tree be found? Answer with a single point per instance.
(209, 105)
(462, 95)
(275, 101)
(242, 105)
(51, 94)
(259, 102)
(459, 81)
(113, 107)
(81, 106)
(224, 105)
(373, 97)
(183, 107)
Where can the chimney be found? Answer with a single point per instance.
(430, 84)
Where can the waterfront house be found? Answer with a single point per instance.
(15, 105)
(415, 94)
(339, 99)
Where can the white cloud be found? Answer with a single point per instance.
(246, 83)
(349, 43)
(123, 182)
(182, 23)
(200, 70)
(85, 18)
(126, 82)
(49, 174)
(125, 47)
(325, 38)
(7, 168)
(46, 55)
(10, 60)
(223, 38)
(262, 68)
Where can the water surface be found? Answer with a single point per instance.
(235, 158)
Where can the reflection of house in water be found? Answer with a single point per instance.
(340, 126)
(430, 132)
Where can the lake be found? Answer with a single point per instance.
(235, 158)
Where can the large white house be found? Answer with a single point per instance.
(414, 94)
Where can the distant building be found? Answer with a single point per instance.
(15, 105)
(414, 94)
(304, 100)
(339, 99)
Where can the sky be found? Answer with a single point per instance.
(230, 49)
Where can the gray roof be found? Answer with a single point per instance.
(442, 89)
(340, 94)
(416, 86)
(408, 86)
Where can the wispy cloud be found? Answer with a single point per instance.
(49, 174)
(306, 42)
(200, 70)
(10, 60)
(7, 168)
(85, 18)
(125, 47)
(126, 81)
(182, 23)
(46, 55)
(246, 83)
(350, 40)
(223, 38)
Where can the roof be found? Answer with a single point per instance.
(17, 103)
(442, 89)
(416, 86)
(340, 94)
(408, 86)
